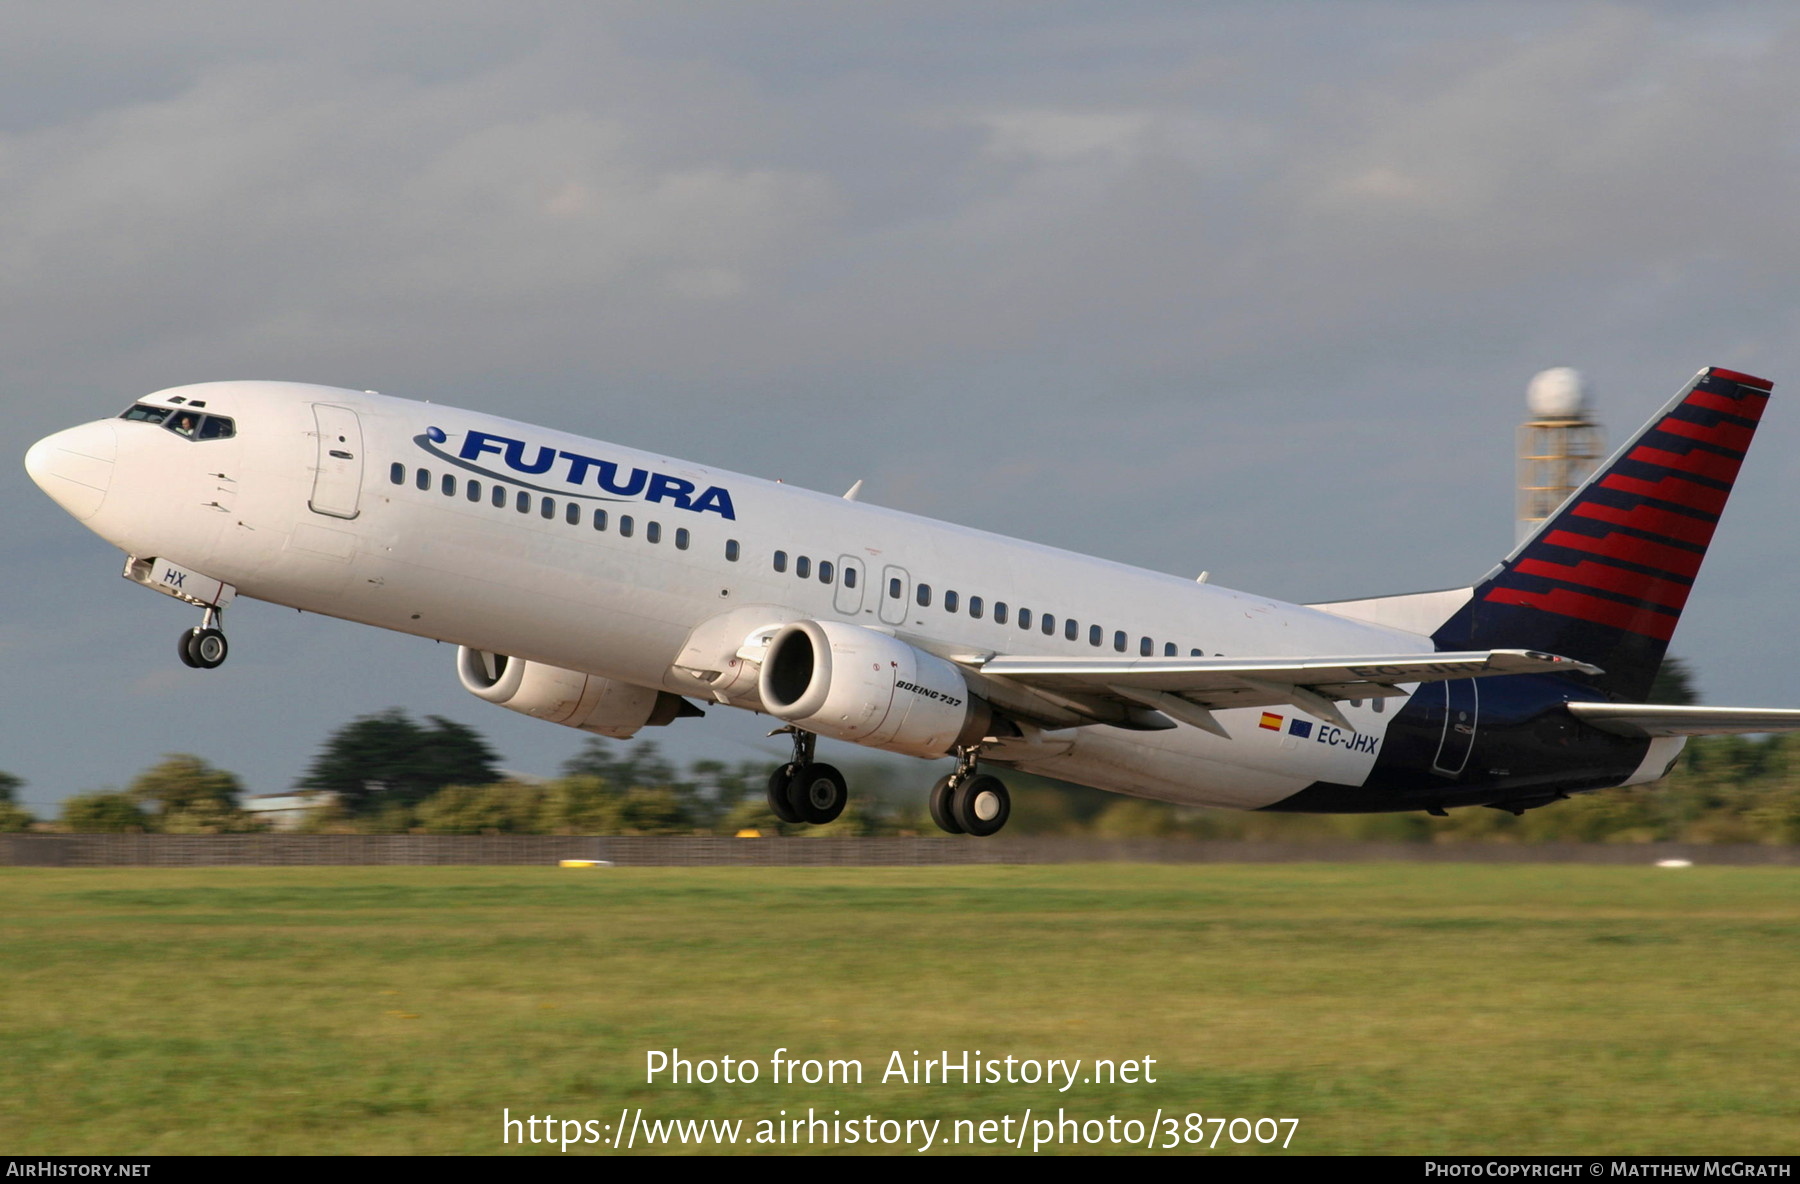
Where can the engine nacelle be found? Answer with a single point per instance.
(575, 700)
(855, 684)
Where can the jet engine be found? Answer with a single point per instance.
(852, 683)
(575, 700)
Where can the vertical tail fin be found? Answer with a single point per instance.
(1606, 576)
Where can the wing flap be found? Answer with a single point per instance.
(1190, 689)
(1238, 682)
(1655, 719)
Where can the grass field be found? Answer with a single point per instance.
(1391, 1009)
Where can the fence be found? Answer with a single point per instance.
(288, 850)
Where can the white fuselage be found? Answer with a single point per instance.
(272, 512)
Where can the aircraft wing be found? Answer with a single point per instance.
(1655, 719)
(1189, 689)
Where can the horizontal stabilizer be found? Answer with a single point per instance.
(1655, 719)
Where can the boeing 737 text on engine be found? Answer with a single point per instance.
(609, 590)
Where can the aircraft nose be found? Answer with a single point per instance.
(75, 466)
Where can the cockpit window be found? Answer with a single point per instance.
(184, 421)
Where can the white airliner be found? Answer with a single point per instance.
(608, 589)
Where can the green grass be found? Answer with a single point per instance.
(1391, 1009)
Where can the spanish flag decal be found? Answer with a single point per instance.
(1270, 721)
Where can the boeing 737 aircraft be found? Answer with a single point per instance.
(607, 589)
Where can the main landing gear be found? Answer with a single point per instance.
(803, 790)
(204, 647)
(964, 803)
(968, 802)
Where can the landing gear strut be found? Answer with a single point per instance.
(804, 790)
(204, 647)
(968, 802)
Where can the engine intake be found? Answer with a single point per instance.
(852, 683)
(603, 706)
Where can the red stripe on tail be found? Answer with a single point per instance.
(1644, 621)
(1707, 464)
(1651, 521)
(1610, 579)
(1630, 549)
(1672, 489)
(1734, 436)
(1761, 384)
(1749, 407)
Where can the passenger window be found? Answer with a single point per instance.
(1169, 649)
(522, 503)
(448, 485)
(781, 561)
(924, 596)
(1146, 647)
(1071, 630)
(826, 571)
(547, 508)
(1049, 625)
(1196, 654)
(951, 600)
(681, 538)
(217, 428)
(803, 567)
(573, 514)
(653, 532)
(894, 588)
(999, 612)
(1024, 618)
(599, 519)
(1119, 640)
(499, 498)
(1093, 635)
(474, 491)
(625, 526)
(396, 472)
(1380, 706)
(975, 607)
(731, 550)
(422, 479)
(849, 577)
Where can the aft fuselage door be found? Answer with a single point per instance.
(337, 479)
(1462, 708)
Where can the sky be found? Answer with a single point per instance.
(1248, 288)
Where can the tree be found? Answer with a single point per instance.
(103, 812)
(641, 767)
(386, 758)
(12, 817)
(185, 795)
(185, 782)
(1674, 683)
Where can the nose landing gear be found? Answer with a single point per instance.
(204, 647)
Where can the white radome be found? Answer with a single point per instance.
(1557, 393)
